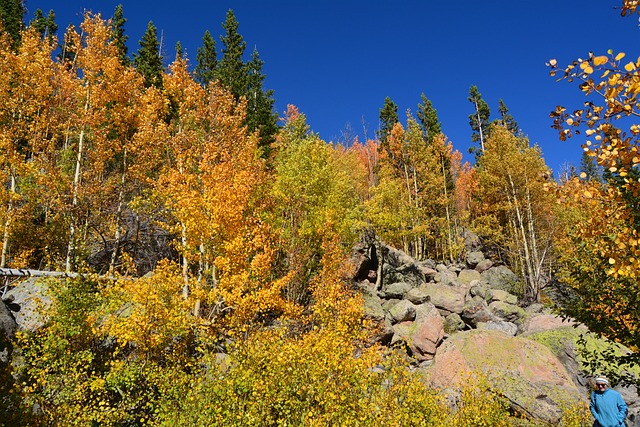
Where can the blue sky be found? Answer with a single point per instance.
(338, 60)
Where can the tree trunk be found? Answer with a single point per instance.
(185, 263)
(118, 236)
(76, 184)
(479, 121)
(7, 222)
(525, 244)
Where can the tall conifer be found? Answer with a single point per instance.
(388, 118)
(11, 16)
(428, 117)
(478, 120)
(232, 71)
(207, 61)
(507, 119)
(148, 60)
(45, 26)
(119, 37)
(260, 115)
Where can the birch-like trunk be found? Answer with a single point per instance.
(118, 235)
(185, 263)
(446, 207)
(525, 243)
(76, 184)
(479, 121)
(7, 222)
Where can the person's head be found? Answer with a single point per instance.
(601, 383)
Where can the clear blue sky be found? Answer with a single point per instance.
(338, 60)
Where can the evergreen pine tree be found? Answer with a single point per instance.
(260, 115)
(179, 51)
(479, 120)
(232, 71)
(147, 60)
(11, 17)
(428, 117)
(119, 37)
(207, 62)
(45, 26)
(507, 119)
(388, 118)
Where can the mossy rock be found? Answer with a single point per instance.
(526, 372)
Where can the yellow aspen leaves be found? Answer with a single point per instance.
(600, 60)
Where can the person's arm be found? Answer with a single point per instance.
(623, 409)
(592, 406)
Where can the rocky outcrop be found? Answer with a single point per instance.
(524, 371)
(460, 317)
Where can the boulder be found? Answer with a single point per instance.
(447, 299)
(395, 290)
(509, 312)
(427, 269)
(418, 295)
(474, 258)
(472, 241)
(445, 277)
(453, 323)
(499, 325)
(395, 257)
(388, 303)
(562, 343)
(525, 372)
(467, 276)
(501, 277)
(372, 306)
(403, 311)
(545, 322)
(423, 335)
(504, 296)
(484, 265)
(8, 328)
(28, 301)
(476, 311)
(412, 273)
(481, 290)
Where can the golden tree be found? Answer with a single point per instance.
(25, 91)
(513, 208)
(602, 246)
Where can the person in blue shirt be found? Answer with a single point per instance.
(607, 406)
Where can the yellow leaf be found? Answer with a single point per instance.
(612, 261)
(630, 66)
(620, 56)
(553, 62)
(588, 70)
(587, 194)
(600, 60)
(570, 121)
(583, 175)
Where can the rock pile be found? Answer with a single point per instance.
(465, 317)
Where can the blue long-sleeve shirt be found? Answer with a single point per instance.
(608, 408)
